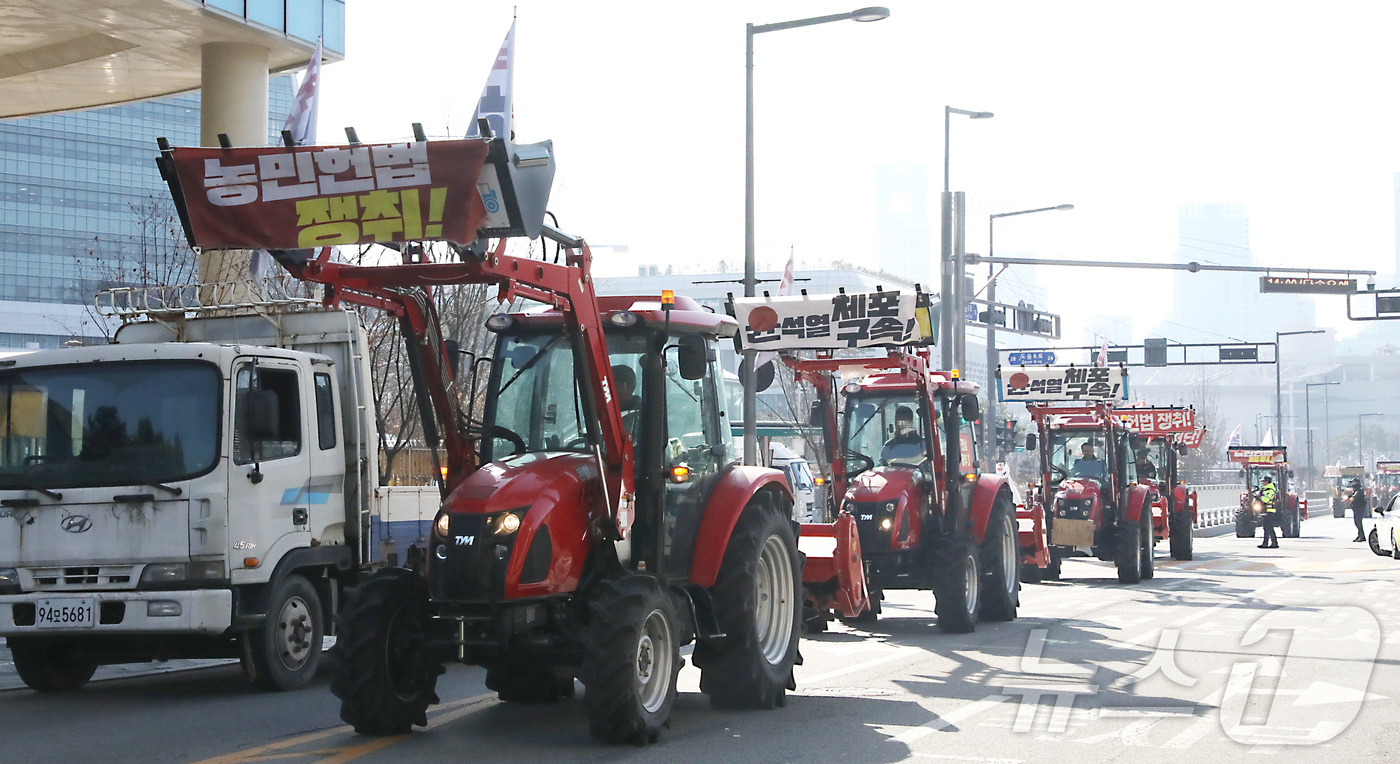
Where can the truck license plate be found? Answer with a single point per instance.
(65, 613)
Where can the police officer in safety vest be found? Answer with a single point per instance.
(1268, 498)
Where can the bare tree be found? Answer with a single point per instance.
(1195, 466)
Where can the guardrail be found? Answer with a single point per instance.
(1216, 504)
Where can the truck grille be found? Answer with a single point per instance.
(82, 577)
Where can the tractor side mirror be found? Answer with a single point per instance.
(1181, 449)
(691, 356)
(971, 408)
(1290, 474)
(260, 415)
(1241, 474)
(454, 356)
(817, 417)
(1031, 441)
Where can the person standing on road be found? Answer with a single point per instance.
(1268, 497)
(1358, 508)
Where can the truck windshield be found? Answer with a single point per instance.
(109, 424)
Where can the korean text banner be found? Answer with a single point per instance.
(1074, 383)
(829, 321)
(1158, 421)
(1256, 455)
(318, 196)
(1191, 439)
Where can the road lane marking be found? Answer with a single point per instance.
(445, 712)
(896, 654)
(945, 721)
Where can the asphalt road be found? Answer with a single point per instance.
(1290, 653)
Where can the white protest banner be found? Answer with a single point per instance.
(829, 321)
(1074, 383)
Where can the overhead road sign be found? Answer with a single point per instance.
(1031, 358)
(1016, 319)
(1374, 305)
(1306, 285)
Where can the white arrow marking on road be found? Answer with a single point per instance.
(1323, 693)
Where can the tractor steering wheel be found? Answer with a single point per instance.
(517, 443)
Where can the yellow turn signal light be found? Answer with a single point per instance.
(251, 562)
(680, 474)
(970, 476)
(818, 480)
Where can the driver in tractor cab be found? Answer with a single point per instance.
(627, 399)
(1089, 464)
(1145, 468)
(906, 442)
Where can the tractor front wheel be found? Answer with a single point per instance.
(1148, 566)
(1052, 571)
(1244, 523)
(631, 660)
(1182, 541)
(384, 675)
(1127, 555)
(957, 579)
(758, 602)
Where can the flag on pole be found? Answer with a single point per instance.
(301, 120)
(301, 123)
(1235, 438)
(784, 287)
(1102, 360)
(495, 105)
(1268, 438)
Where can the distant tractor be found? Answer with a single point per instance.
(1256, 463)
(1387, 483)
(1160, 435)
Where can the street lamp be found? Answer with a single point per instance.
(1307, 417)
(1360, 459)
(989, 418)
(950, 288)
(1278, 382)
(873, 13)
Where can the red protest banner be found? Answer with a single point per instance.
(319, 196)
(1145, 421)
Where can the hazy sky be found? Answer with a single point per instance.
(1124, 109)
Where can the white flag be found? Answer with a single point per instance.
(1235, 438)
(1268, 438)
(301, 120)
(494, 105)
(784, 287)
(1103, 354)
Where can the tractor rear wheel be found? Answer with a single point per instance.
(1292, 523)
(1127, 554)
(957, 580)
(631, 659)
(1001, 561)
(384, 676)
(758, 602)
(1148, 566)
(1244, 523)
(1181, 540)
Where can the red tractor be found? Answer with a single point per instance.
(1160, 435)
(904, 467)
(1094, 504)
(1387, 483)
(1257, 462)
(587, 530)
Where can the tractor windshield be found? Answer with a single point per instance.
(1256, 477)
(1388, 479)
(1077, 453)
(886, 430)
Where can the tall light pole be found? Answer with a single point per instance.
(1278, 383)
(1360, 457)
(1307, 416)
(989, 418)
(874, 13)
(950, 288)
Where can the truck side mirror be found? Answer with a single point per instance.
(691, 356)
(971, 408)
(260, 415)
(1031, 441)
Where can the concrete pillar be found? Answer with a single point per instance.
(233, 101)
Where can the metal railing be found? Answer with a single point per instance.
(1216, 504)
(269, 295)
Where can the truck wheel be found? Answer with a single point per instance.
(957, 580)
(631, 660)
(517, 683)
(758, 603)
(1001, 560)
(1244, 523)
(284, 653)
(1052, 571)
(384, 675)
(1148, 567)
(51, 667)
(1181, 538)
(1127, 554)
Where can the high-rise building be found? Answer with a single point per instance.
(903, 236)
(82, 207)
(1219, 306)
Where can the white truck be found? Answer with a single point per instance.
(201, 488)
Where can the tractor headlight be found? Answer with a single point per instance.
(507, 524)
(442, 523)
(1258, 505)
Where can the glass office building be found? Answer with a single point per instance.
(83, 207)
